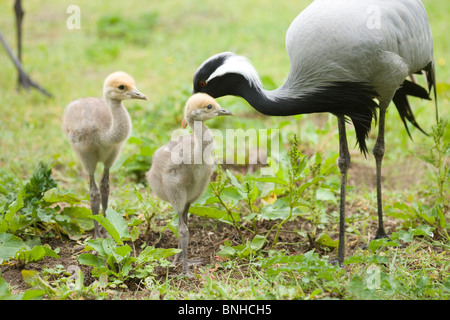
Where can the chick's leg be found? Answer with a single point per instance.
(94, 197)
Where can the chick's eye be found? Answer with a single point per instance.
(209, 106)
(202, 83)
(121, 87)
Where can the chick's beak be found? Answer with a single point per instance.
(137, 95)
(184, 123)
(224, 112)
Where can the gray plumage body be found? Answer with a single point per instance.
(187, 163)
(378, 42)
(96, 131)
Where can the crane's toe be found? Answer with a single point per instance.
(186, 266)
(100, 231)
(190, 262)
(337, 261)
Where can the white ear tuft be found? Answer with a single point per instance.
(240, 65)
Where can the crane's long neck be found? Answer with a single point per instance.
(276, 102)
(286, 101)
(120, 126)
(351, 99)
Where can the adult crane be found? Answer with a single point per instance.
(343, 54)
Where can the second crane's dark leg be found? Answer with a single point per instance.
(344, 163)
(19, 18)
(378, 152)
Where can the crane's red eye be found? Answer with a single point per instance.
(202, 83)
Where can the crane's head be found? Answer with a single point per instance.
(201, 107)
(120, 86)
(225, 74)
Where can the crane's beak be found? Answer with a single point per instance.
(137, 95)
(224, 112)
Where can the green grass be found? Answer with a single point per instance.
(161, 44)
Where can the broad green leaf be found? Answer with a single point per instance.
(5, 294)
(156, 254)
(90, 260)
(325, 240)
(51, 253)
(279, 210)
(9, 246)
(109, 227)
(96, 245)
(45, 214)
(384, 242)
(403, 235)
(423, 230)
(79, 215)
(15, 206)
(37, 253)
(227, 252)
(72, 229)
(33, 294)
(326, 195)
(33, 255)
(134, 234)
(231, 194)
(355, 259)
(119, 223)
(109, 247)
(214, 213)
(30, 276)
(3, 225)
(123, 250)
(257, 242)
(55, 195)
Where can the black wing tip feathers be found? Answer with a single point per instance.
(412, 89)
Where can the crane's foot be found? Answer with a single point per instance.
(337, 262)
(100, 232)
(186, 273)
(189, 261)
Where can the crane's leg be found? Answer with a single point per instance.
(19, 18)
(94, 197)
(99, 230)
(378, 152)
(183, 233)
(104, 189)
(183, 243)
(343, 163)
